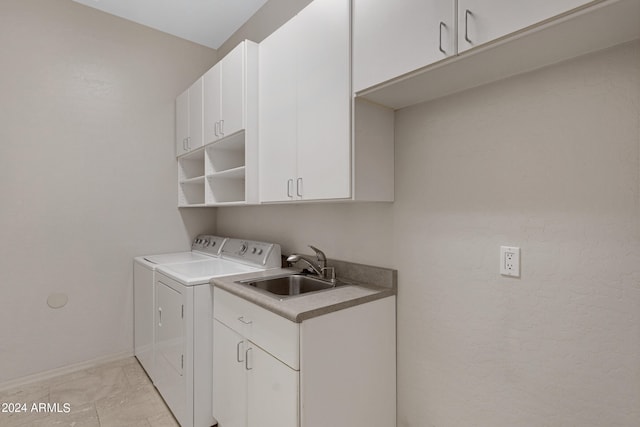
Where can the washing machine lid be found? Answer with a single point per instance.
(201, 272)
(174, 258)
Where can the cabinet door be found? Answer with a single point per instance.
(211, 104)
(232, 98)
(277, 114)
(229, 377)
(182, 122)
(324, 101)
(391, 38)
(273, 390)
(195, 115)
(480, 21)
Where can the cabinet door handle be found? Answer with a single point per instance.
(246, 322)
(289, 187)
(188, 143)
(442, 25)
(160, 316)
(467, 13)
(246, 359)
(238, 352)
(184, 144)
(215, 128)
(222, 127)
(299, 187)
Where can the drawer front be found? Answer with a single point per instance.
(274, 334)
(231, 311)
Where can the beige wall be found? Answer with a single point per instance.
(547, 161)
(273, 14)
(87, 176)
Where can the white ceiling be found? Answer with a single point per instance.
(206, 22)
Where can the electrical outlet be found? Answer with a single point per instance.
(510, 261)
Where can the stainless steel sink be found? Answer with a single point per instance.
(289, 285)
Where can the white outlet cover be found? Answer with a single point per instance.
(510, 261)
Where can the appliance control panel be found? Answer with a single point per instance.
(252, 253)
(211, 245)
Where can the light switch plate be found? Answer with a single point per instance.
(510, 261)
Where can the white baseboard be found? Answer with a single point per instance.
(40, 376)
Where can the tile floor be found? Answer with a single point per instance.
(115, 394)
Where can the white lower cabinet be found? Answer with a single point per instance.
(256, 366)
(252, 388)
(272, 392)
(337, 369)
(229, 373)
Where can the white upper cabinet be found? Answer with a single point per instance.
(480, 21)
(233, 94)
(391, 38)
(189, 119)
(304, 106)
(309, 148)
(225, 171)
(277, 114)
(211, 102)
(411, 51)
(324, 101)
(225, 95)
(182, 122)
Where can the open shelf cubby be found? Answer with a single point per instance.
(225, 189)
(225, 169)
(215, 174)
(191, 166)
(191, 193)
(226, 154)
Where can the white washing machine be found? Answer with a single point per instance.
(183, 330)
(144, 267)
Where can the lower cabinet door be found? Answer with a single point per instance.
(273, 390)
(229, 377)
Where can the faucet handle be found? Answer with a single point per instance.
(320, 255)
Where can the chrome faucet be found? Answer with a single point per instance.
(319, 265)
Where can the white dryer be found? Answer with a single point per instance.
(144, 267)
(183, 330)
